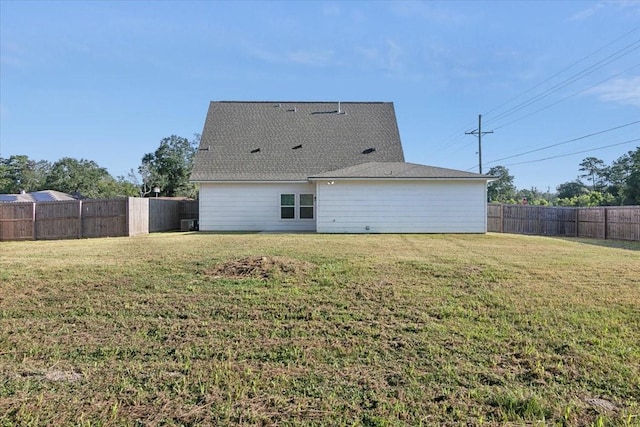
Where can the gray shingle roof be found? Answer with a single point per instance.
(397, 170)
(290, 141)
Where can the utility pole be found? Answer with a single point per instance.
(479, 133)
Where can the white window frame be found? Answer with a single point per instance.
(282, 206)
(297, 207)
(312, 206)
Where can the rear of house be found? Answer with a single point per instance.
(400, 198)
(325, 167)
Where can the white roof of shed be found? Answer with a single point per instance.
(36, 196)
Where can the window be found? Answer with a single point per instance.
(287, 206)
(306, 206)
(302, 204)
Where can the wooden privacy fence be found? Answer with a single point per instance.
(610, 222)
(77, 219)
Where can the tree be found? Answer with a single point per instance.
(534, 196)
(571, 189)
(119, 187)
(81, 177)
(616, 176)
(169, 167)
(21, 173)
(502, 189)
(144, 179)
(594, 169)
(5, 179)
(591, 198)
(632, 182)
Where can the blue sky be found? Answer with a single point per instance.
(107, 80)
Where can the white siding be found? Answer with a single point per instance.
(401, 207)
(249, 207)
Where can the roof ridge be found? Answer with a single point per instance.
(301, 102)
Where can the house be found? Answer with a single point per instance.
(328, 167)
(36, 196)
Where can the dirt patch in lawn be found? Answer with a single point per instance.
(262, 267)
(66, 376)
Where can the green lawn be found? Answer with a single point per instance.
(305, 329)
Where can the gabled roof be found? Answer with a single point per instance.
(37, 196)
(397, 170)
(290, 141)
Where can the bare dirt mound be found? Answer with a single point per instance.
(262, 267)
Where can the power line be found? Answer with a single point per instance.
(453, 140)
(574, 153)
(567, 97)
(562, 71)
(605, 61)
(564, 142)
(609, 59)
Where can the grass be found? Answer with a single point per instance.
(191, 329)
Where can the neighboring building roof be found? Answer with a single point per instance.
(397, 170)
(37, 196)
(290, 141)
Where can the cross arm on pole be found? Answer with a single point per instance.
(478, 132)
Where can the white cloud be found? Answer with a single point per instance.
(428, 11)
(311, 58)
(623, 91)
(586, 13)
(629, 8)
(394, 53)
(263, 54)
(387, 57)
(331, 10)
(11, 54)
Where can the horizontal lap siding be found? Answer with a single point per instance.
(401, 207)
(249, 207)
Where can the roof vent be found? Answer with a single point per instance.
(257, 150)
(369, 150)
(340, 109)
(296, 147)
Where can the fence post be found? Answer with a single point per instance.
(502, 217)
(127, 223)
(577, 211)
(606, 223)
(79, 219)
(33, 220)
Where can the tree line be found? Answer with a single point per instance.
(165, 172)
(598, 184)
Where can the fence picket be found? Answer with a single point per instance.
(92, 218)
(611, 222)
